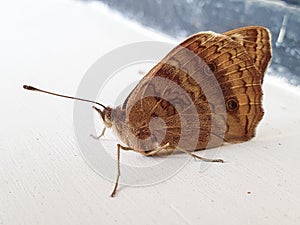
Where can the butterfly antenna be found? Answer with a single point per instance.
(30, 88)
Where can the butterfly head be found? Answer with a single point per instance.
(106, 115)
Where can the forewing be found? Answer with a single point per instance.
(205, 87)
(257, 42)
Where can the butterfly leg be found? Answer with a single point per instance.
(151, 152)
(119, 172)
(101, 135)
(199, 157)
(165, 147)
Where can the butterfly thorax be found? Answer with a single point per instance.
(119, 125)
(137, 137)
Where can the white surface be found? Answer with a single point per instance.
(44, 180)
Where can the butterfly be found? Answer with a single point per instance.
(237, 59)
(204, 92)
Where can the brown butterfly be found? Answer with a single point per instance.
(207, 90)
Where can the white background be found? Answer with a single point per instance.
(43, 178)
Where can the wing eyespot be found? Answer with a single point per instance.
(232, 105)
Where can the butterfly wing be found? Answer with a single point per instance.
(204, 91)
(257, 42)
